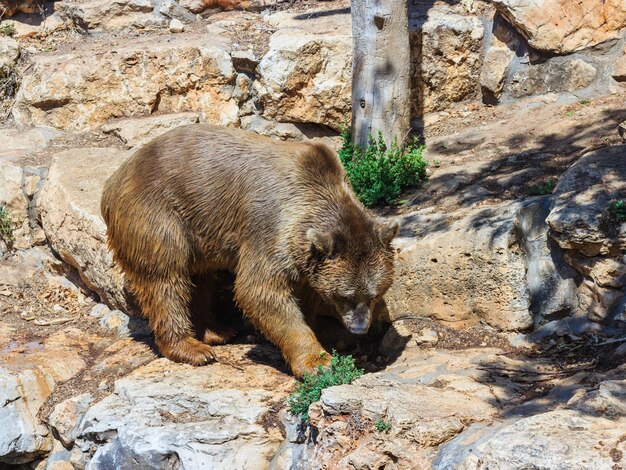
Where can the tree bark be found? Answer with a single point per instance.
(381, 70)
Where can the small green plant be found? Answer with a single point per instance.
(584, 102)
(6, 226)
(436, 163)
(542, 189)
(341, 371)
(617, 210)
(378, 172)
(569, 113)
(382, 426)
(8, 29)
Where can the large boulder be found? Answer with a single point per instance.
(85, 88)
(563, 26)
(462, 271)
(110, 15)
(29, 374)
(585, 434)
(447, 50)
(586, 221)
(305, 75)
(221, 418)
(139, 131)
(69, 207)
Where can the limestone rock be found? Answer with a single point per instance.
(619, 69)
(9, 52)
(140, 131)
(562, 26)
(464, 270)
(220, 418)
(560, 439)
(70, 214)
(426, 397)
(448, 49)
(110, 15)
(551, 281)
(579, 217)
(14, 204)
(581, 223)
(80, 90)
(555, 75)
(176, 26)
(305, 76)
(493, 73)
(67, 417)
(28, 375)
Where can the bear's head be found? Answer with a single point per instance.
(353, 268)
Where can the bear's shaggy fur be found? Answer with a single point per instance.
(280, 215)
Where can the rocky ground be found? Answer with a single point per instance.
(504, 346)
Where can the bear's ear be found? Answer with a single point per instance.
(322, 242)
(387, 231)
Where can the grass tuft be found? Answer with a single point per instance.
(342, 370)
(617, 210)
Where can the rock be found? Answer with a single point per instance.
(109, 15)
(493, 73)
(425, 336)
(619, 69)
(464, 270)
(176, 26)
(594, 239)
(305, 75)
(137, 132)
(15, 206)
(555, 75)
(221, 418)
(560, 439)
(123, 325)
(551, 281)
(244, 61)
(582, 198)
(426, 397)
(28, 375)
(448, 49)
(563, 27)
(67, 416)
(18, 144)
(621, 130)
(80, 90)
(9, 53)
(70, 214)
(396, 338)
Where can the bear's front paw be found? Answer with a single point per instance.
(310, 364)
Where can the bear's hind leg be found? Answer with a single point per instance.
(166, 304)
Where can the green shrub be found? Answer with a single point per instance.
(542, 189)
(617, 210)
(379, 173)
(382, 426)
(6, 226)
(341, 371)
(7, 30)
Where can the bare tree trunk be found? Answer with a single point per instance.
(381, 70)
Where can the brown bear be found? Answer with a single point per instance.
(280, 215)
